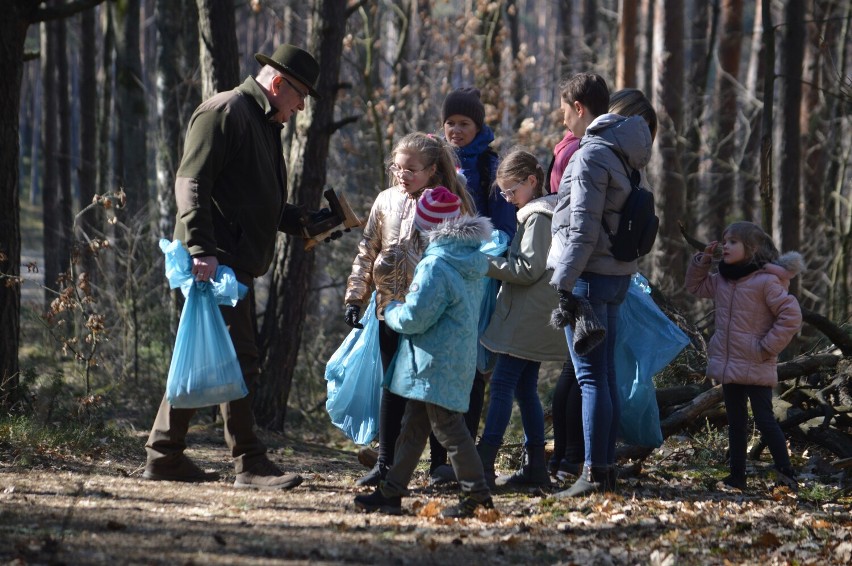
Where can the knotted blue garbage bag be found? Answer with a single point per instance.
(646, 341)
(496, 246)
(204, 369)
(354, 380)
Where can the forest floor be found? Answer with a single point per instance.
(56, 509)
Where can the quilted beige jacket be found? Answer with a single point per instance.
(388, 252)
(755, 319)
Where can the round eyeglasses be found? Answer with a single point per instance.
(403, 173)
(511, 192)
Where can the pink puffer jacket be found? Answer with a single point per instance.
(756, 317)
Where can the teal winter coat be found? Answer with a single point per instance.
(438, 322)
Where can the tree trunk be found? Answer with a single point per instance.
(702, 37)
(789, 218)
(766, 187)
(168, 18)
(626, 58)
(748, 178)
(718, 202)
(290, 297)
(217, 34)
(17, 17)
(566, 43)
(130, 150)
(670, 256)
(88, 128)
(13, 32)
(52, 233)
(105, 79)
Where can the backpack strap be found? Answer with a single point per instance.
(549, 172)
(632, 176)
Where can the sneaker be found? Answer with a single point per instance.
(181, 469)
(377, 501)
(442, 475)
(373, 477)
(467, 507)
(266, 475)
(368, 457)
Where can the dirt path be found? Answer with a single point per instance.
(102, 512)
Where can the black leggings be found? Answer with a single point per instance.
(567, 410)
(393, 406)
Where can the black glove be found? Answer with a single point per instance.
(353, 314)
(564, 314)
(567, 301)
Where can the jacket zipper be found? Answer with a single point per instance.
(728, 332)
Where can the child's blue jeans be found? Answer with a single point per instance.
(514, 378)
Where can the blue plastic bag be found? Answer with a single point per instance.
(645, 343)
(354, 380)
(496, 246)
(204, 369)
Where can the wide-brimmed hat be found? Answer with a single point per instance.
(295, 62)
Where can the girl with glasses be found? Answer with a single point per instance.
(387, 255)
(519, 332)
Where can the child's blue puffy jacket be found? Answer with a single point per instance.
(438, 321)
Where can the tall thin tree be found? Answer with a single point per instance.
(669, 258)
(290, 294)
(789, 219)
(218, 54)
(131, 153)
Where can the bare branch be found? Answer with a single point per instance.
(64, 10)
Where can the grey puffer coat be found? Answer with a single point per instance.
(595, 185)
(755, 318)
(520, 323)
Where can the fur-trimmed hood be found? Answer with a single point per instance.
(457, 241)
(541, 205)
(787, 266)
(474, 229)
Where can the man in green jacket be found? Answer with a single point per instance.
(230, 190)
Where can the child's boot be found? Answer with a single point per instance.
(378, 501)
(592, 479)
(488, 455)
(736, 479)
(467, 506)
(532, 474)
(374, 476)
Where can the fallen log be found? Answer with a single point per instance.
(695, 410)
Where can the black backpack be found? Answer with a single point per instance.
(639, 223)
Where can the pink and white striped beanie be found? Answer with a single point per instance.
(435, 206)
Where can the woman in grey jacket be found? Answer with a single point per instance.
(519, 332)
(593, 189)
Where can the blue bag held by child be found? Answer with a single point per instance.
(496, 246)
(354, 380)
(204, 369)
(645, 343)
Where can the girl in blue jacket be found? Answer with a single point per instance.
(436, 359)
